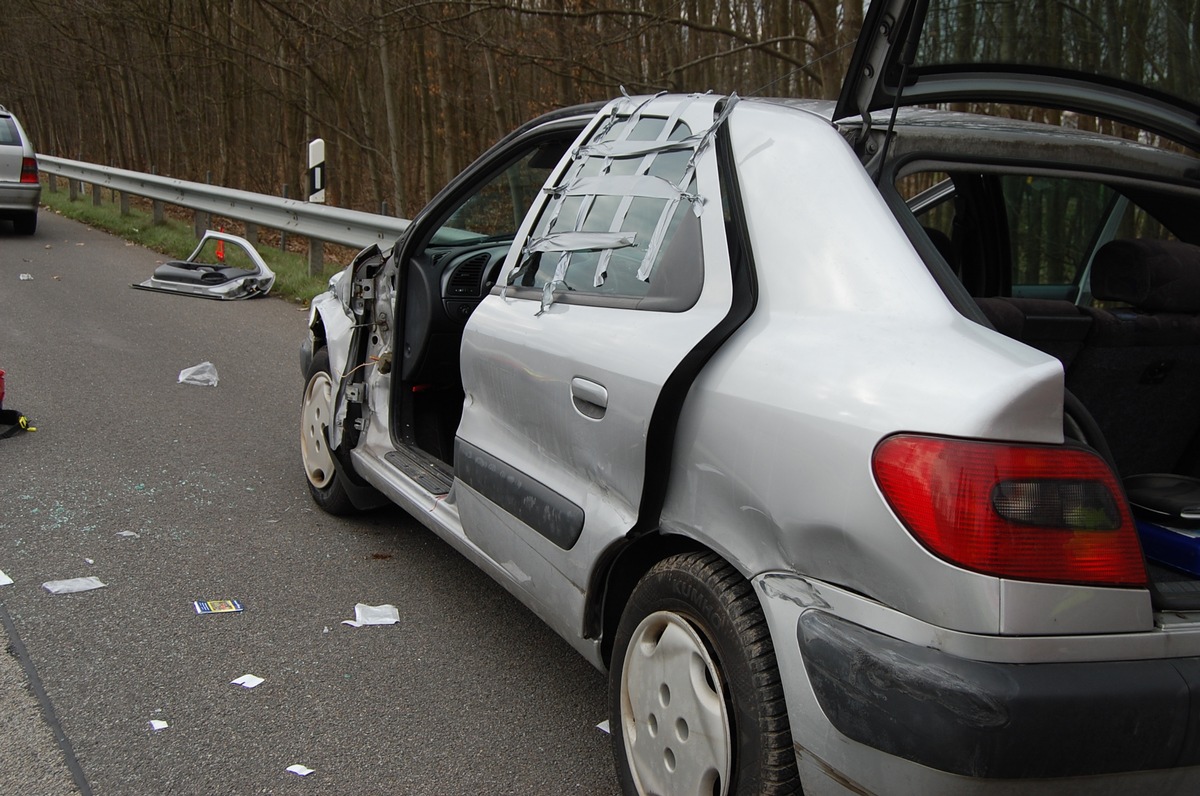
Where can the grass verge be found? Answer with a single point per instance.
(175, 238)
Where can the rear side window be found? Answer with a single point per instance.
(1025, 235)
(621, 228)
(8, 132)
(1053, 223)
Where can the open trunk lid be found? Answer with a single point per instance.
(1134, 63)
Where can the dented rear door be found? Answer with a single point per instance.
(617, 277)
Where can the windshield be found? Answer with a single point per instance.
(1150, 43)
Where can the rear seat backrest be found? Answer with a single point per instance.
(1054, 326)
(1139, 369)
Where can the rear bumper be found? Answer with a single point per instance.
(18, 197)
(998, 720)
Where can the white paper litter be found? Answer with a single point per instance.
(72, 585)
(127, 533)
(4, 579)
(247, 681)
(204, 374)
(89, 561)
(156, 725)
(373, 615)
(26, 277)
(604, 728)
(303, 771)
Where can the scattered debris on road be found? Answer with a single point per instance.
(158, 724)
(373, 615)
(247, 681)
(72, 585)
(204, 375)
(5, 580)
(303, 771)
(218, 606)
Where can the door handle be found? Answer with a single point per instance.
(590, 399)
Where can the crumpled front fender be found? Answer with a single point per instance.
(330, 326)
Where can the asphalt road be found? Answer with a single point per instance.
(469, 693)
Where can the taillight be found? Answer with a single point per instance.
(29, 172)
(1031, 512)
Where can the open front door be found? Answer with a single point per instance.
(622, 276)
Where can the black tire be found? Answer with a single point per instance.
(698, 607)
(26, 223)
(316, 413)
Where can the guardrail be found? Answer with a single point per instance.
(338, 225)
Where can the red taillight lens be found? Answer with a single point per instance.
(29, 171)
(1032, 512)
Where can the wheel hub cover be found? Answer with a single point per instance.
(674, 717)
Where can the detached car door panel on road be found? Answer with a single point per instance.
(857, 442)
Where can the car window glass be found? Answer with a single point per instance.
(8, 133)
(497, 207)
(1054, 227)
(649, 222)
(1053, 224)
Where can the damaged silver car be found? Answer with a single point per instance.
(856, 442)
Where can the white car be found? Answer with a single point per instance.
(20, 189)
(858, 443)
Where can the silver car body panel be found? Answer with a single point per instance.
(523, 370)
(876, 349)
(193, 277)
(19, 196)
(831, 763)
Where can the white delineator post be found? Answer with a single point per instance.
(316, 194)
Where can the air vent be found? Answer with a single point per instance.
(467, 279)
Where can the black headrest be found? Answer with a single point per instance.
(1152, 275)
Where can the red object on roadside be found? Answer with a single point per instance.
(221, 249)
(1, 389)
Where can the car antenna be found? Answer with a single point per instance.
(907, 55)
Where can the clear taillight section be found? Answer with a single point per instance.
(29, 170)
(1031, 512)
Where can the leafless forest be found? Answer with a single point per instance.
(406, 93)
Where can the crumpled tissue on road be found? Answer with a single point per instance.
(72, 585)
(373, 615)
(204, 374)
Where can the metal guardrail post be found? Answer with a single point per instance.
(124, 203)
(283, 232)
(95, 195)
(51, 183)
(72, 189)
(316, 257)
(251, 233)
